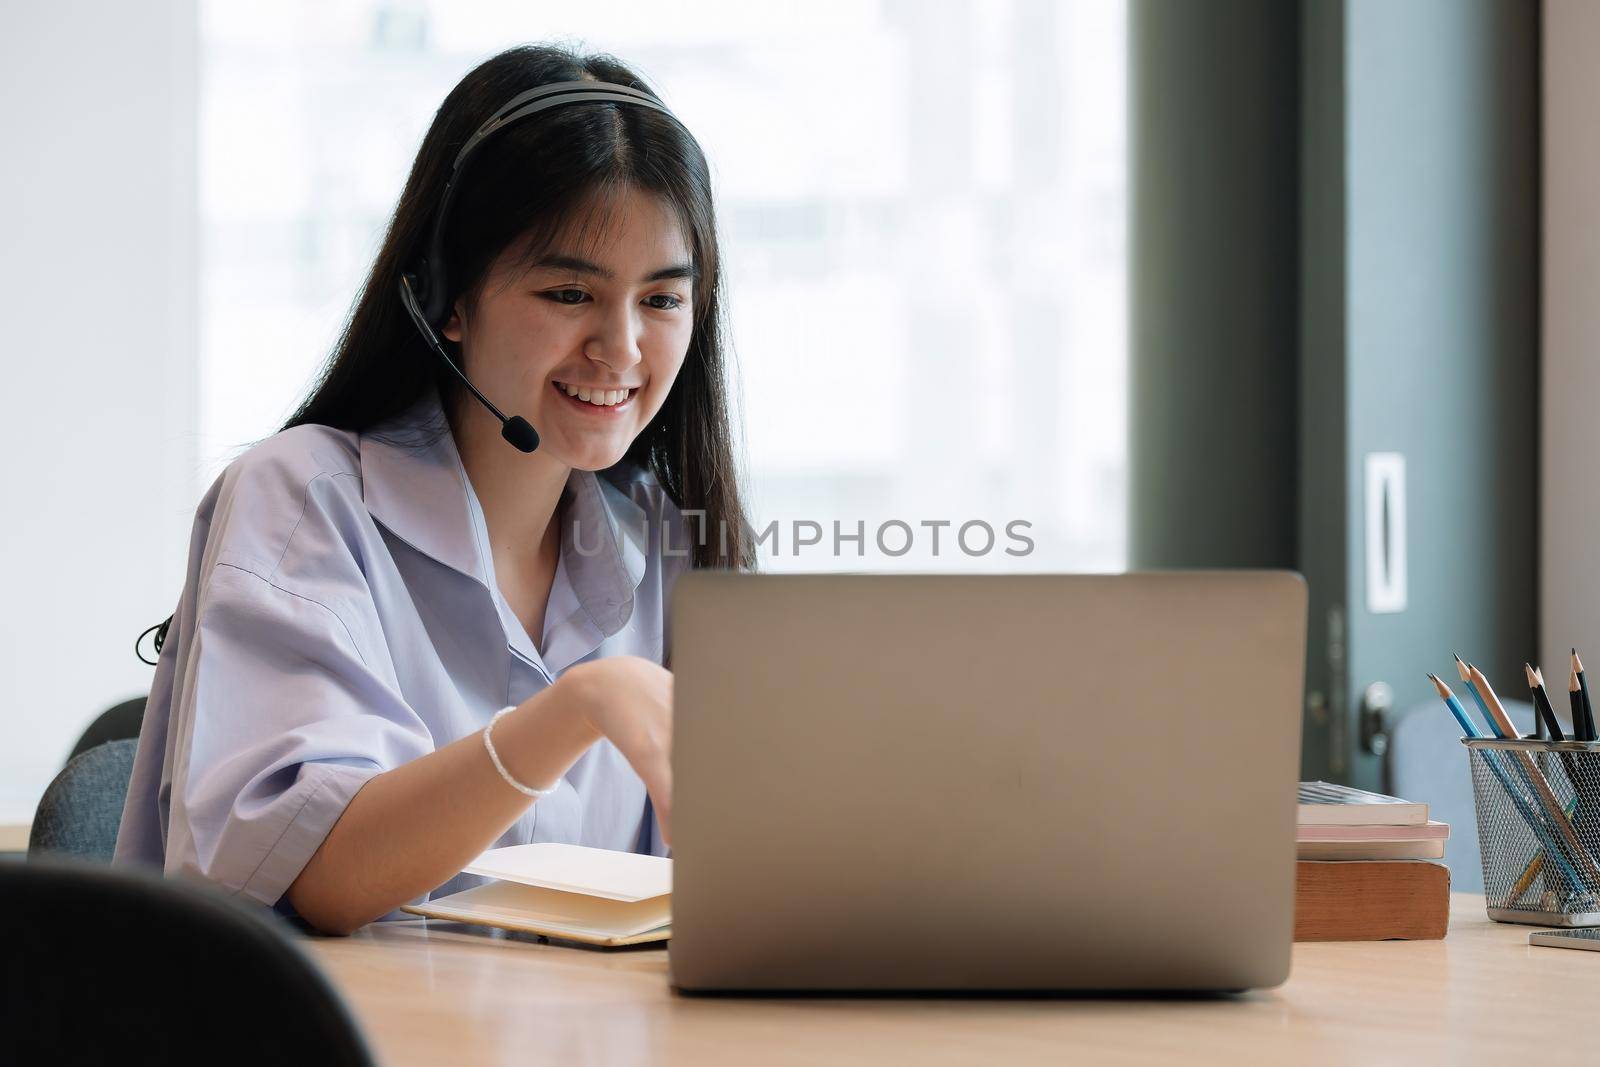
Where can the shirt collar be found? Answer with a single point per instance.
(604, 541)
(413, 483)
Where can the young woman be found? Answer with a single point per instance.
(403, 640)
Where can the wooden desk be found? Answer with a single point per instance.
(14, 836)
(430, 993)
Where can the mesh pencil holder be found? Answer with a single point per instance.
(1538, 806)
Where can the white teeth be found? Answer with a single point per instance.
(603, 398)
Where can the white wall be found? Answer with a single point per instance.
(1569, 562)
(98, 213)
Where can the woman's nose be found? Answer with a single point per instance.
(616, 342)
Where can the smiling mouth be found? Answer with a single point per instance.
(594, 399)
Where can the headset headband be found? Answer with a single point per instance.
(428, 283)
(547, 96)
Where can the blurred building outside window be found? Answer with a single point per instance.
(922, 207)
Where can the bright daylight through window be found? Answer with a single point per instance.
(923, 219)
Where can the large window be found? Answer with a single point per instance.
(922, 205)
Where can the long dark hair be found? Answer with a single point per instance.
(522, 184)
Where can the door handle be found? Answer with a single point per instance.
(1377, 700)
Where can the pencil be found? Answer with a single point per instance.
(1541, 704)
(1483, 709)
(1535, 865)
(1583, 689)
(1524, 880)
(1539, 732)
(1455, 707)
(1547, 717)
(1503, 727)
(1543, 696)
(1575, 698)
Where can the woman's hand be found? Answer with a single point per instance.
(412, 828)
(629, 700)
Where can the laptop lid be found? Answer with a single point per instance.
(985, 781)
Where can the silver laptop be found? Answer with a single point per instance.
(952, 782)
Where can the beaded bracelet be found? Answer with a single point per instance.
(494, 757)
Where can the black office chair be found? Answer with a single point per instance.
(82, 807)
(112, 965)
(80, 810)
(113, 724)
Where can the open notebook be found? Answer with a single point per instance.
(568, 891)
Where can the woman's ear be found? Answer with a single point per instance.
(451, 330)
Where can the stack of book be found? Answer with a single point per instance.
(1368, 868)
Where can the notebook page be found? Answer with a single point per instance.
(598, 872)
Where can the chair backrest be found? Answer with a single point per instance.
(81, 809)
(113, 965)
(1427, 762)
(113, 724)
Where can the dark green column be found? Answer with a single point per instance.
(1213, 284)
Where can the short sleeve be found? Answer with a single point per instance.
(281, 720)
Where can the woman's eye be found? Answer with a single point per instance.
(566, 296)
(670, 301)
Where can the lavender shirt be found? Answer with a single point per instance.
(340, 616)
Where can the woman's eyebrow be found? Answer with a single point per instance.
(583, 266)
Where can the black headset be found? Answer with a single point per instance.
(425, 291)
